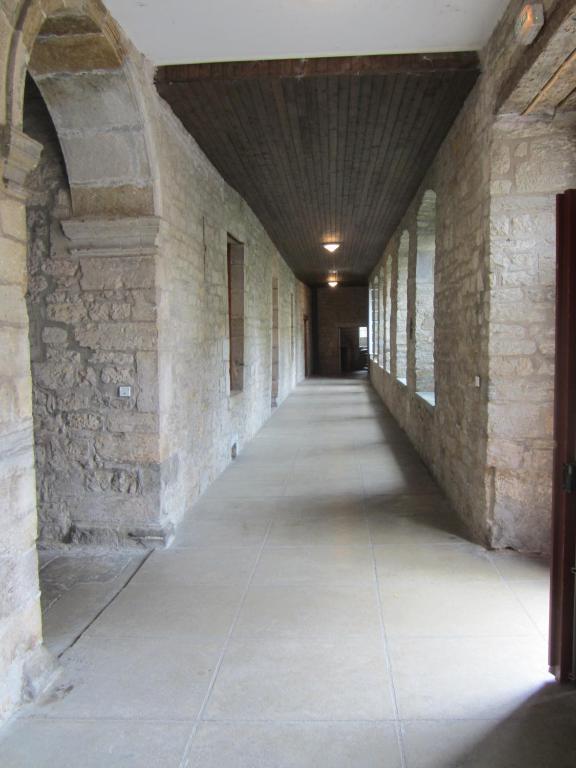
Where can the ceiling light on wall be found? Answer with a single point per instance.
(332, 247)
(529, 22)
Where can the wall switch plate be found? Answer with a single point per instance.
(125, 391)
(477, 382)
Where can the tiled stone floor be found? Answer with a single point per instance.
(76, 587)
(320, 608)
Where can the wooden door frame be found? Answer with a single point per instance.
(562, 607)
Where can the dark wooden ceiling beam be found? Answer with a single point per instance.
(541, 61)
(395, 64)
(324, 156)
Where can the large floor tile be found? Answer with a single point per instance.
(295, 745)
(535, 597)
(210, 510)
(448, 607)
(126, 678)
(316, 507)
(515, 566)
(320, 611)
(199, 613)
(466, 677)
(198, 565)
(397, 481)
(341, 530)
(89, 744)
(402, 530)
(221, 533)
(408, 560)
(72, 613)
(302, 680)
(315, 565)
(244, 489)
(426, 505)
(324, 485)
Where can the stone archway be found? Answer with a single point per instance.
(104, 312)
(83, 67)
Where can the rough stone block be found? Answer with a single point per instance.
(118, 157)
(73, 53)
(55, 335)
(90, 99)
(117, 336)
(140, 448)
(109, 273)
(132, 421)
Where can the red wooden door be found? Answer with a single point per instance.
(562, 607)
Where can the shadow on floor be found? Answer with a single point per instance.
(539, 734)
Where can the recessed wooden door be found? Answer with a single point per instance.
(562, 605)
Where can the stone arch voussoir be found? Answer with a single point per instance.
(82, 65)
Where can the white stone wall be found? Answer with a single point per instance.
(199, 420)
(532, 160)
(495, 180)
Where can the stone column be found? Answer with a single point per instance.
(25, 665)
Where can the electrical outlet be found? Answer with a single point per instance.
(125, 391)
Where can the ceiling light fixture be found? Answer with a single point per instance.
(332, 247)
(333, 280)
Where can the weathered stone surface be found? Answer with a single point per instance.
(117, 336)
(496, 179)
(73, 53)
(117, 273)
(99, 98)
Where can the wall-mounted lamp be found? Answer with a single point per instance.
(333, 280)
(529, 22)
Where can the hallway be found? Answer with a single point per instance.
(319, 607)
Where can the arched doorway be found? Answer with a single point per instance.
(92, 289)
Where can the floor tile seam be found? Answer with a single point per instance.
(358, 547)
(505, 718)
(122, 587)
(394, 637)
(217, 547)
(107, 719)
(517, 599)
(184, 760)
(203, 547)
(210, 639)
(236, 497)
(443, 580)
(314, 582)
(384, 640)
(308, 721)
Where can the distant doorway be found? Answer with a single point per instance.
(353, 345)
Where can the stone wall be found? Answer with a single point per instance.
(488, 437)
(127, 286)
(200, 421)
(92, 330)
(337, 308)
(532, 160)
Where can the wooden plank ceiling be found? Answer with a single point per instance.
(323, 149)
